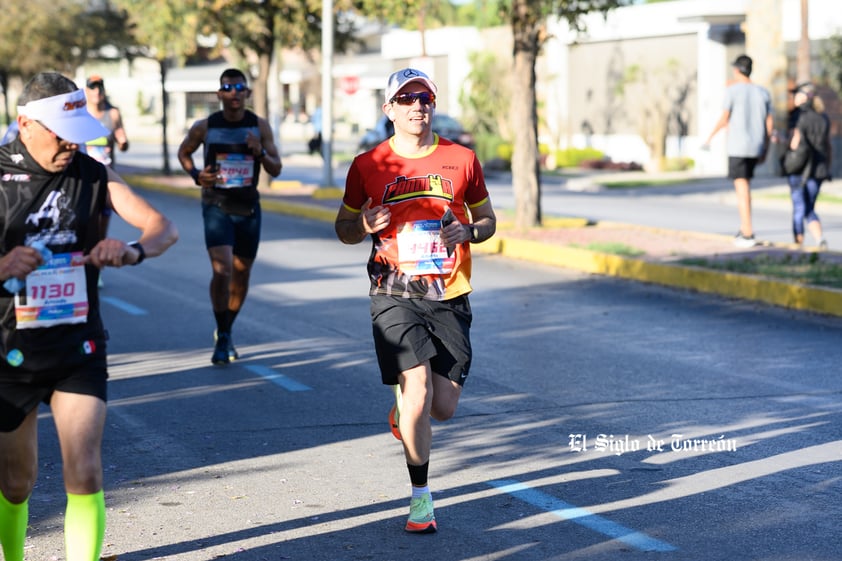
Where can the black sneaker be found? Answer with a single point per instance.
(232, 351)
(220, 351)
(741, 240)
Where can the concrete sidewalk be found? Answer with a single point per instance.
(563, 242)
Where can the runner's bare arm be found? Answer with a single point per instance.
(194, 139)
(157, 232)
(352, 227)
(272, 158)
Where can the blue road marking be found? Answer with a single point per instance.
(567, 511)
(123, 305)
(279, 379)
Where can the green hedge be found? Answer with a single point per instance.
(565, 158)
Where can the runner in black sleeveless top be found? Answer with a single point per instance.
(52, 340)
(237, 144)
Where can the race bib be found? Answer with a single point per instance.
(56, 293)
(236, 170)
(420, 251)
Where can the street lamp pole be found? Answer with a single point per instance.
(327, 93)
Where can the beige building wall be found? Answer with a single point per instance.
(634, 89)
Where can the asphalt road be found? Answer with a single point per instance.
(286, 454)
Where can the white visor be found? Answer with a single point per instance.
(66, 115)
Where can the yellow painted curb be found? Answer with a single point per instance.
(283, 185)
(305, 211)
(328, 193)
(747, 287)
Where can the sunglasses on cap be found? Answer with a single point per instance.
(410, 98)
(238, 87)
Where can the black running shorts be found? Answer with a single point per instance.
(21, 391)
(410, 331)
(240, 232)
(741, 168)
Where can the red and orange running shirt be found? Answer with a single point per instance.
(407, 258)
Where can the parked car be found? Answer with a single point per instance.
(443, 125)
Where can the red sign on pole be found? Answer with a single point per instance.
(349, 84)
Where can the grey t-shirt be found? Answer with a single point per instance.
(749, 105)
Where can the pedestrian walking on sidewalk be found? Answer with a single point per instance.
(52, 337)
(237, 144)
(747, 114)
(807, 162)
(423, 200)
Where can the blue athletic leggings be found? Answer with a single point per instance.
(803, 202)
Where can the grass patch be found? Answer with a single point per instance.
(611, 248)
(804, 269)
(635, 183)
(823, 198)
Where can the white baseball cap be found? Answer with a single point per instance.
(403, 77)
(66, 115)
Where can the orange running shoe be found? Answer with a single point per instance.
(393, 422)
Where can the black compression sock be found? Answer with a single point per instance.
(418, 474)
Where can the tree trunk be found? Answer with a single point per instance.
(260, 87)
(165, 101)
(261, 102)
(4, 84)
(524, 118)
(803, 56)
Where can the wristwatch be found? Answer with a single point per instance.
(141, 254)
(474, 233)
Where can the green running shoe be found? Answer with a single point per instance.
(421, 518)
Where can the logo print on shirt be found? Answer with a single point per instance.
(54, 220)
(49, 212)
(16, 177)
(429, 186)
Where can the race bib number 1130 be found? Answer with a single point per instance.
(56, 293)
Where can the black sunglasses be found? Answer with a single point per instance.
(239, 87)
(49, 130)
(411, 98)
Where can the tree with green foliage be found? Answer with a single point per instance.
(167, 33)
(832, 59)
(480, 13)
(528, 19)
(485, 99)
(246, 32)
(254, 29)
(660, 94)
(59, 35)
(417, 15)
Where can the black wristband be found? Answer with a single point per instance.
(141, 254)
(194, 173)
